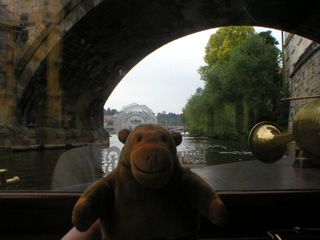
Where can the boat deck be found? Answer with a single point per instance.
(255, 175)
(251, 214)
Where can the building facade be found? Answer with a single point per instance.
(301, 72)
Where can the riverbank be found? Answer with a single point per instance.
(39, 138)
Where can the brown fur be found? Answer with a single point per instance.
(149, 195)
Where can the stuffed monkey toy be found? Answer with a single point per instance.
(149, 195)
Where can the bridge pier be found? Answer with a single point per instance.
(54, 93)
(7, 80)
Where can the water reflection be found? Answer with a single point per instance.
(81, 165)
(110, 158)
(35, 168)
(217, 151)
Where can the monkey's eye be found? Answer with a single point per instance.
(139, 139)
(164, 138)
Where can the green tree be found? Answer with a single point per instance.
(110, 112)
(195, 113)
(171, 119)
(254, 68)
(268, 38)
(221, 44)
(250, 78)
(242, 82)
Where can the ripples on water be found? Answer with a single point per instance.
(35, 168)
(218, 151)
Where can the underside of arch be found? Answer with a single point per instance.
(90, 54)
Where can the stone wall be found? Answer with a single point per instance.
(3, 47)
(304, 81)
(32, 13)
(82, 48)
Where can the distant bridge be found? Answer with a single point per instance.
(59, 62)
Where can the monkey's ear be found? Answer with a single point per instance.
(123, 135)
(177, 138)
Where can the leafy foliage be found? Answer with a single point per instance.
(194, 113)
(110, 111)
(220, 46)
(169, 119)
(244, 73)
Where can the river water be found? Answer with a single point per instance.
(35, 168)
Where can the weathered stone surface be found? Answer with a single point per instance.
(98, 39)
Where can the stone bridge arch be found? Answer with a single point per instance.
(134, 29)
(42, 50)
(78, 52)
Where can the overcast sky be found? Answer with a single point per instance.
(166, 78)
